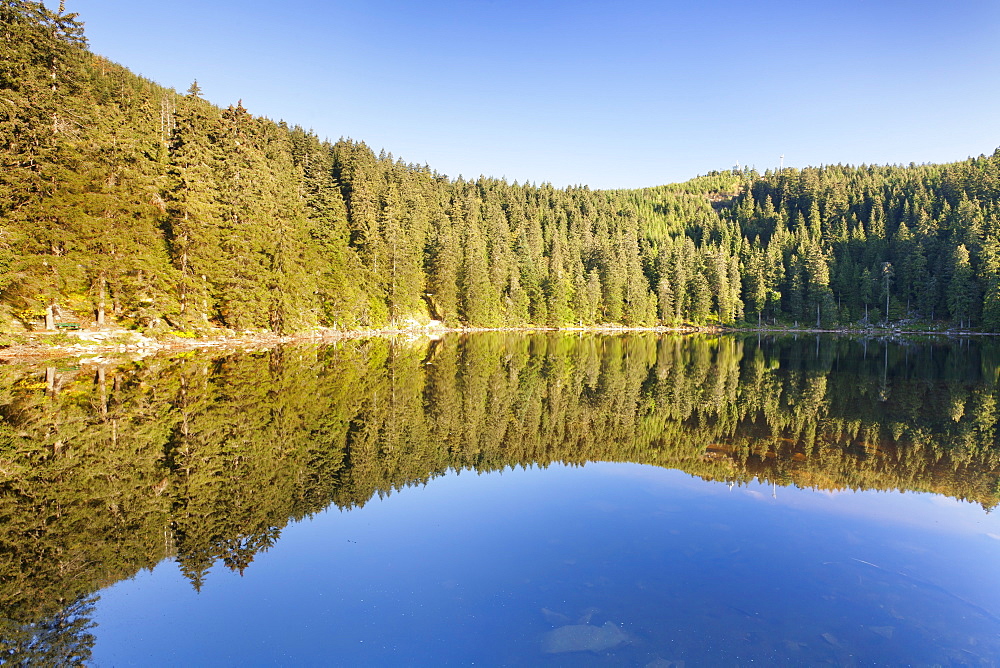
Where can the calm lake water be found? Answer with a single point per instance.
(507, 500)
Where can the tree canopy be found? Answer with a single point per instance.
(164, 211)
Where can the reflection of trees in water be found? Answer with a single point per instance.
(61, 639)
(206, 459)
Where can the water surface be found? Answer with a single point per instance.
(508, 500)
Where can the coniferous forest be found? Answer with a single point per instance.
(124, 201)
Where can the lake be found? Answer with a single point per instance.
(506, 499)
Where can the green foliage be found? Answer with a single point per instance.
(61, 639)
(164, 211)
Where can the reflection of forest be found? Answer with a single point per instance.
(103, 473)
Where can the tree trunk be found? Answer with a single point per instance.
(100, 303)
(103, 385)
(50, 318)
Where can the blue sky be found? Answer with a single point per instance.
(611, 95)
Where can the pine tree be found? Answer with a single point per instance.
(479, 305)
(192, 204)
(990, 270)
(961, 290)
(754, 281)
(558, 286)
(444, 257)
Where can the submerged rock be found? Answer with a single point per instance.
(558, 619)
(663, 663)
(583, 638)
(830, 638)
(553, 617)
(884, 631)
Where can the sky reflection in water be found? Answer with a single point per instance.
(481, 568)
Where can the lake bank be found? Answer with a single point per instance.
(43, 345)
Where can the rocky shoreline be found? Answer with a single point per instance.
(97, 344)
(38, 346)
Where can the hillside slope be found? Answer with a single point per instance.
(122, 200)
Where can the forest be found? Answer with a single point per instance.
(125, 202)
(204, 458)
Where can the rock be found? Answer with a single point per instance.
(554, 618)
(586, 615)
(884, 631)
(583, 638)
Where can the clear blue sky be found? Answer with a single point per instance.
(608, 94)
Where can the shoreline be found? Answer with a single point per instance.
(97, 344)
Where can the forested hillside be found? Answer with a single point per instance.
(126, 201)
